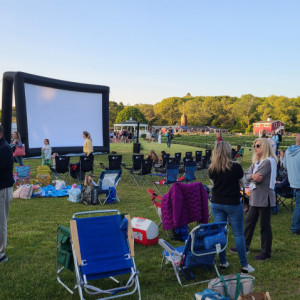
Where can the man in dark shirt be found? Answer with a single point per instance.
(6, 190)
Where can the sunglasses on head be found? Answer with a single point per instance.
(257, 146)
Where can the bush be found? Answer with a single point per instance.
(143, 136)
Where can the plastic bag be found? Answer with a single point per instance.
(74, 195)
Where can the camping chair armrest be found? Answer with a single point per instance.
(168, 247)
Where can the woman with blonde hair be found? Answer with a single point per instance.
(225, 204)
(88, 145)
(153, 156)
(262, 178)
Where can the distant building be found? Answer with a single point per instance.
(199, 129)
(268, 126)
(131, 125)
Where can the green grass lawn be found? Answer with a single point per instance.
(30, 272)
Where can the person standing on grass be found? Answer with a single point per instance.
(159, 136)
(225, 204)
(219, 138)
(262, 178)
(46, 153)
(88, 144)
(291, 162)
(6, 190)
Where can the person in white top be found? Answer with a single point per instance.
(46, 153)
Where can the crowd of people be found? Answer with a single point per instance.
(226, 174)
(152, 135)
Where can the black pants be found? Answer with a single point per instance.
(264, 214)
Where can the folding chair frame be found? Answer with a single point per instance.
(115, 183)
(177, 257)
(82, 283)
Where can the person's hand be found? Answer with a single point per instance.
(257, 177)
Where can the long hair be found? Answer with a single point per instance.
(18, 135)
(267, 150)
(87, 135)
(221, 160)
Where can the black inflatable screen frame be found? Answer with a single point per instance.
(17, 80)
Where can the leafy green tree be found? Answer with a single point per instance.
(168, 110)
(114, 109)
(148, 111)
(245, 110)
(130, 112)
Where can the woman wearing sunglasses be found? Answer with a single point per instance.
(261, 177)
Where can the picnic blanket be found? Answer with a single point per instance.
(50, 191)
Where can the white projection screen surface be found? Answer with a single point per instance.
(61, 116)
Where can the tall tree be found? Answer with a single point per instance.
(168, 110)
(148, 111)
(114, 109)
(130, 112)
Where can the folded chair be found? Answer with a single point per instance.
(102, 248)
(22, 175)
(200, 249)
(62, 167)
(107, 180)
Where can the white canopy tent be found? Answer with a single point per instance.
(131, 126)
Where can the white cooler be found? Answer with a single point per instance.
(144, 231)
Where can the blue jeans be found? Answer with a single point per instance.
(296, 216)
(169, 142)
(19, 160)
(235, 214)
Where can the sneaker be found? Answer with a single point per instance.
(247, 269)
(234, 250)
(262, 256)
(3, 259)
(224, 266)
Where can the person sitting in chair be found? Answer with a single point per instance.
(153, 156)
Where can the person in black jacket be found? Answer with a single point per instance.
(226, 176)
(6, 190)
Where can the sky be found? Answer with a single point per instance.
(147, 50)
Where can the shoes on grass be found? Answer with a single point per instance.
(262, 256)
(247, 269)
(3, 259)
(224, 266)
(234, 250)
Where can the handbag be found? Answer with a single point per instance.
(256, 296)
(19, 151)
(232, 285)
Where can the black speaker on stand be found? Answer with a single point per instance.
(137, 145)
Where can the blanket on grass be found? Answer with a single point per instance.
(184, 204)
(50, 191)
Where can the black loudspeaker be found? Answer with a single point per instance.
(136, 148)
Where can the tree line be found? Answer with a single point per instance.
(233, 113)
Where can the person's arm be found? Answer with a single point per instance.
(6, 158)
(248, 173)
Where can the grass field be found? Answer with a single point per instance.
(30, 272)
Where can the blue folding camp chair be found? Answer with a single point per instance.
(200, 249)
(169, 177)
(22, 175)
(189, 171)
(108, 179)
(102, 247)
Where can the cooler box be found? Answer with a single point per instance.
(144, 231)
